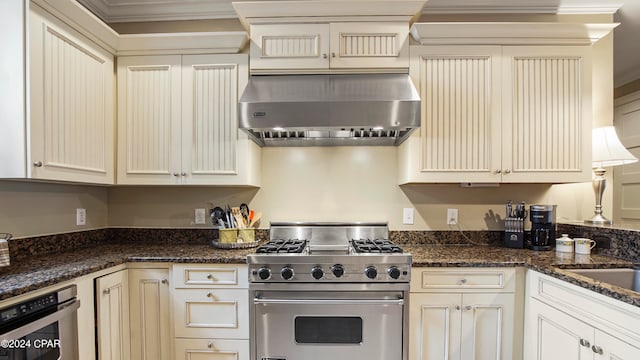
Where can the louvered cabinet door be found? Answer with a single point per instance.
(149, 123)
(460, 132)
(71, 104)
(211, 85)
(546, 114)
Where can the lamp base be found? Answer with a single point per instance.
(598, 219)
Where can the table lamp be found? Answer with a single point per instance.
(607, 151)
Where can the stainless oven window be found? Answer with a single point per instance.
(42, 344)
(328, 330)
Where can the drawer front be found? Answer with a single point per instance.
(210, 313)
(211, 349)
(199, 276)
(461, 280)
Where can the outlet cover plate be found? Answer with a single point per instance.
(200, 217)
(81, 217)
(407, 216)
(452, 216)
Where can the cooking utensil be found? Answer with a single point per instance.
(244, 210)
(237, 217)
(256, 218)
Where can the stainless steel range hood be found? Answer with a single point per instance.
(329, 110)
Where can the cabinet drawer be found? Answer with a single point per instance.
(199, 276)
(460, 280)
(210, 313)
(211, 349)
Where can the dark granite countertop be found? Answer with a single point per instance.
(40, 272)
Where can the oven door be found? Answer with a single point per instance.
(314, 325)
(50, 337)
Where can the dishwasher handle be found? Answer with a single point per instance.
(63, 311)
(258, 301)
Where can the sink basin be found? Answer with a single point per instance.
(625, 278)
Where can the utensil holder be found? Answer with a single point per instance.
(246, 235)
(228, 235)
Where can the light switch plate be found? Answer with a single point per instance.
(407, 216)
(81, 217)
(200, 218)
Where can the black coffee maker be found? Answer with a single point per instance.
(543, 226)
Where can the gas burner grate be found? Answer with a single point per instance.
(282, 246)
(375, 246)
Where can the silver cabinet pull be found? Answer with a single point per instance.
(175, 174)
(507, 171)
(463, 281)
(457, 307)
(333, 54)
(210, 294)
(498, 171)
(183, 173)
(468, 307)
(585, 342)
(324, 56)
(209, 276)
(106, 291)
(164, 281)
(597, 349)
(37, 164)
(210, 345)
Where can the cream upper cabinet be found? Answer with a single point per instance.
(465, 314)
(177, 121)
(71, 121)
(329, 46)
(500, 114)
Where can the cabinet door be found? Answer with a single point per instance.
(289, 46)
(149, 128)
(112, 302)
(487, 326)
(151, 336)
(615, 349)
(546, 114)
(210, 88)
(551, 334)
(434, 326)
(71, 104)
(369, 45)
(197, 349)
(460, 132)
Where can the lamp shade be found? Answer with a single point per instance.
(608, 150)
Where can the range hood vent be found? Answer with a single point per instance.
(329, 110)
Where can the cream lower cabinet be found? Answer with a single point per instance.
(210, 309)
(464, 314)
(177, 121)
(68, 132)
(566, 322)
(496, 114)
(150, 314)
(112, 311)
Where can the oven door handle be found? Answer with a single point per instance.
(27, 329)
(258, 301)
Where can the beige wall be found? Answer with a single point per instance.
(31, 208)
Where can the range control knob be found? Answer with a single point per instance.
(394, 272)
(286, 273)
(337, 270)
(264, 273)
(317, 272)
(371, 272)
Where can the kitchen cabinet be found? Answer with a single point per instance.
(502, 102)
(210, 309)
(112, 312)
(150, 315)
(177, 121)
(464, 314)
(501, 114)
(327, 46)
(68, 130)
(564, 321)
(626, 178)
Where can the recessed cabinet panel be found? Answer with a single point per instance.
(289, 46)
(369, 45)
(486, 326)
(211, 313)
(435, 326)
(216, 349)
(208, 276)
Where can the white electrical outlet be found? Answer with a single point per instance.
(200, 217)
(81, 216)
(407, 216)
(452, 216)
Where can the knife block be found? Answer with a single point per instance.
(514, 235)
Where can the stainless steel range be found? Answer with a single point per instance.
(334, 291)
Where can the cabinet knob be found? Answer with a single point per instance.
(209, 276)
(507, 171)
(106, 291)
(463, 281)
(457, 307)
(210, 294)
(183, 173)
(324, 56)
(37, 164)
(175, 174)
(210, 345)
(597, 349)
(498, 171)
(468, 307)
(164, 281)
(333, 54)
(585, 342)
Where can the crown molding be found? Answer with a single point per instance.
(522, 7)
